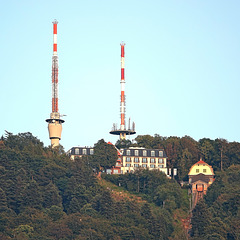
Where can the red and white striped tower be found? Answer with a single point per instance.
(122, 132)
(55, 123)
(122, 103)
(55, 70)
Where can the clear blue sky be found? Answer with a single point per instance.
(182, 67)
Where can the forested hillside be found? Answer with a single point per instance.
(218, 215)
(183, 152)
(46, 196)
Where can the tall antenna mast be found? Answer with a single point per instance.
(55, 70)
(122, 103)
(55, 123)
(122, 131)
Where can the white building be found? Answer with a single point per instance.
(130, 159)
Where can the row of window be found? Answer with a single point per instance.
(136, 153)
(143, 165)
(145, 160)
(84, 151)
(204, 170)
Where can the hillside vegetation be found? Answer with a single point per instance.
(46, 196)
(218, 215)
(183, 152)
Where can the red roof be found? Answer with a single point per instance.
(201, 162)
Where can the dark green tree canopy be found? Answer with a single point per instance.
(105, 156)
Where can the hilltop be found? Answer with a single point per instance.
(46, 196)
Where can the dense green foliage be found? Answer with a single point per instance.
(104, 157)
(183, 152)
(154, 187)
(46, 196)
(218, 215)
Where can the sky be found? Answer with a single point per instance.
(182, 67)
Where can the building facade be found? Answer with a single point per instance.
(80, 151)
(201, 176)
(134, 158)
(129, 159)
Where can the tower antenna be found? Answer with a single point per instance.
(54, 122)
(122, 131)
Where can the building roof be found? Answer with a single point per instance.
(160, 153)
(80, 151)
(201, 177)
(142, 152)
(201, 164)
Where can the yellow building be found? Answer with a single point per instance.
(201, 176)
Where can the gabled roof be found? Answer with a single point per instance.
(201, 162)
(201, 177)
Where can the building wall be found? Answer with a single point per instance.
(131, 163)
(201, 176)
(130, 159)
(203, 168)
(134, 158)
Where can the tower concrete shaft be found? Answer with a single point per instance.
(54, 122)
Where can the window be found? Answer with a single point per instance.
(128, 159)
(160, 166)
(136, 165)
(91, 151)
(136, 152)
(152, 166)
(84, 151)
(77, 151)
(136, 159)
(152, 160)
(128, 165)
(197, 170)
(144, 165)
(205, 170)
(160, 160)
(144, 153)
(160, 153)
(144, 160)
(128, 152)
(152, 153)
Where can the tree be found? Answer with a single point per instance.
(23, 232)
(104, 204)
(32, 196)
(3, 201)
(55, 212)
(145, 141)
(207, 150)
(104, 157)
(123, 143)
(51, 196)
(200, 219)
